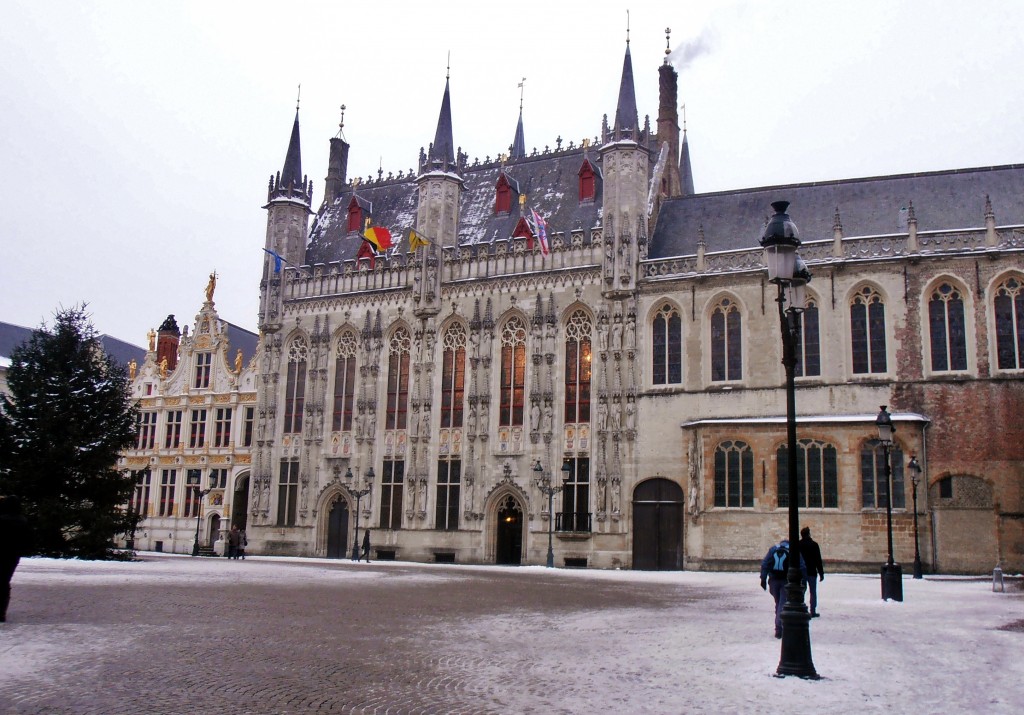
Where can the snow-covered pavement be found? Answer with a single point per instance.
(171, 634)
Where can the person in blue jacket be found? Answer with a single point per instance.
(773, 577)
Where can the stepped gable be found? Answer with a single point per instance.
(943, 200)
(550, 181)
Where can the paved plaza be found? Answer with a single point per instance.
(171, 634)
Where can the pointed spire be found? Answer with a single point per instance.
(291, 174)
(626, 123)
(519, 142)
(443, 148)
(685, 172)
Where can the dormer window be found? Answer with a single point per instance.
(503, 196)
(355, 216)
(587, 182)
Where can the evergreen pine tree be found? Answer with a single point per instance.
(66, 420)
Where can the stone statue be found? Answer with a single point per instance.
(631, 415)
(485, 344)
(630, 332)
(211, 286)
(615, 495)
(549, 422)
(617, 333)
(602, 416)
(414, 426)
(535, 417)
(371, 423)
(132, 367)
(484, 418)
(471, 420)
(474, 345)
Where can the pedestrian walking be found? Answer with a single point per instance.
(810, 552)
(234, 539)
(15, 542)
(366, 545)
(242, 543)
(773, 577)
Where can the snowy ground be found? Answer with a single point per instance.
(494, 639)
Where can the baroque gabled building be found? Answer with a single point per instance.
(581, 318)
(196, 394)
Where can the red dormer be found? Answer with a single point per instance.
(355, 216)
(503, 195)
(587, 181)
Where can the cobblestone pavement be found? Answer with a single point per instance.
(174, 635)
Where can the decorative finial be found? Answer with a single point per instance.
(298, 97)
(668, 45)
(684, 117)
(521, 95)
(448, 69)
(627, 27)
(341, 124)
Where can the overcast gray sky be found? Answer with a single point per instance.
(137, 137)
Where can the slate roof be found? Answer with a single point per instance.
(942, 200)
(11, 336)
(549, 180)
(239, 337)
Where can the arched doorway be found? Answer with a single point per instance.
(239, 502)
(214, 532)
(658, 526)
(509, 541)
(337, 529)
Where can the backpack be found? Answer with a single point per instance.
(780, 561)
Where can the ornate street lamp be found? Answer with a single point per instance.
(193, 481)
(915, 478)
(780, 241)
(358, 494)
(545, 486)
(892, 573)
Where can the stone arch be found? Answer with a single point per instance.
(326, 500)
(934, 288)
(505, 494)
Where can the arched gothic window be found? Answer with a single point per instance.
(1008, 306)
(946, 328)
(513, 372)
(872, 476)
(867, 331)
(726, 353)
(667, 346)
(344, 382)
(817, 475)
(453, 376)
(399, 348)
(808, 349)
(577, 367)
(295, 386)
(734, 474)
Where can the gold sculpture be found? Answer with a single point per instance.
(211, 286)
(132, 367)
(238, 361)
(163, 367)
(152, 339)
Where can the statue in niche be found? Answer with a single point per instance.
(602, 333)
(471, 420)
(549, 421)
(602, 486)
(484, 418)
(485, 345)
(614, 417)
(631, 414)
(617, 333)
(615, 495)
(535, 417)
(549, 340)
(414, 426)
(630, 332)
(423, 494)
(602, 415)
(371, 423)
(538, 337)
(425, 423)
(474, 344)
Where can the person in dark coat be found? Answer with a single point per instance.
(810, 552)
(234, 541)
(15, 542)
(773, 577)
(366, 545)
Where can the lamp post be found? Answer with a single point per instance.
(780, 241)
(194, 483)
(915, 477)
(892, 573)
(544, 484)
(358, 494)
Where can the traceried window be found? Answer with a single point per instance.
(392, 484)
(726, 353)
(202, 375)
(808, 348)
(344, 382)
(449, 478)
(288, 492)
(453, 376)
(399, 349)
(867, 331)
(872, 476)
(734, 474)
(946, 328)
(513, 372)
(247, 426)
(197, 429)
(1009, 316)
(667, 346)
(817, 475)
(139, 503)
(147, 430)
(578, 356)
(172, 436)
(575, 515)
(295, 386)
(168, 479)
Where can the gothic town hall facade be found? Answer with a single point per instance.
(631, 362)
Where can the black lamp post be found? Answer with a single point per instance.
(780, 241)
(545, 486)
(915, 477)
(358, 494)
(892, 573)
(194, 483)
